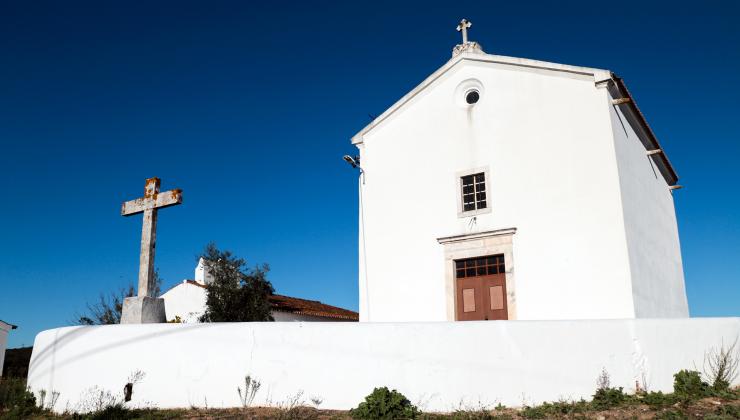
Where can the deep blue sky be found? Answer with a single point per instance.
(249, 107)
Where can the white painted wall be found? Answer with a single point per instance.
(650, 225)
(511, 362)
(4, 330)
(186, 300)
(546, 136)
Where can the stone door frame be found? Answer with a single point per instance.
(479, 244)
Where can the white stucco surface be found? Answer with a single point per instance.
(437, 365)
(186, 300)
(650, 226)
(596, 236)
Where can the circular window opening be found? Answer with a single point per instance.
(472, 97)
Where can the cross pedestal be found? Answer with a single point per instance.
(146, 308)
(143, 310)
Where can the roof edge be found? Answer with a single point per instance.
(479, 57)
(12, 327)
(631, 111)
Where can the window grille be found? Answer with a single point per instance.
(474, 192)
(481, 266)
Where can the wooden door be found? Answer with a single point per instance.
(480, 288)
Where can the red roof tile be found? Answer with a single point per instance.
(310, 307)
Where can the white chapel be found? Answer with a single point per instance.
(510, 188)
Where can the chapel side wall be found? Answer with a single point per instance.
(650, 226)
(547, 143)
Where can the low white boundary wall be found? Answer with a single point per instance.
(437, 365)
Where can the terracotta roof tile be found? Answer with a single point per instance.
(310, 307)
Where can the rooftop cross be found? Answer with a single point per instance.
(463, 27)
(148, 205)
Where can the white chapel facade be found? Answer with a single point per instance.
(509, 188)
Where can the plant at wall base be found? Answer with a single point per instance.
(317, 400)
(555, 409)
(606, 398)
(51, 402)
(293, 409)
(657, 400)
(603, 381)
(237, 293)
(672, 415)
(688, 386)
(383, 403)
(721, 366)
(251, 386)
(16, 400)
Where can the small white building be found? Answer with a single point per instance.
(510, 188)
(187, 301)
(4, 330)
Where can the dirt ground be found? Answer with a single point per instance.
(708, 408)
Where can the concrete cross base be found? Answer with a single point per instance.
(143, 310)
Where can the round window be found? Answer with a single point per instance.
(468, 93)
(472, 96)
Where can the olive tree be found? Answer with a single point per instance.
(237, 293)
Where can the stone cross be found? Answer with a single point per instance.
(463, 27)
(148, 205)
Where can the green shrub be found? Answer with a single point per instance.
(672, 415)
(385, 404)
(606, 398)
(556, 409)
(470, 415)
(688, 386)
(725, 412)
(658, 399)
(16, 401)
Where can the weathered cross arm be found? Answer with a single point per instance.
(164, 199)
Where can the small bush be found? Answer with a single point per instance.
(606, 398)
(658, 399)
(16, 401)
(385, 404)
(722, 366)
(467, 415)
(726, 412)
(672, 415)
(251, 386)
(688, 386)
(556, 409)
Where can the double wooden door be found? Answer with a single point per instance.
(481, 289)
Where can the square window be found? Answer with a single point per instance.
(473, 190)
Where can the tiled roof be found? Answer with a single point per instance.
(298, 306)
(310, 307)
